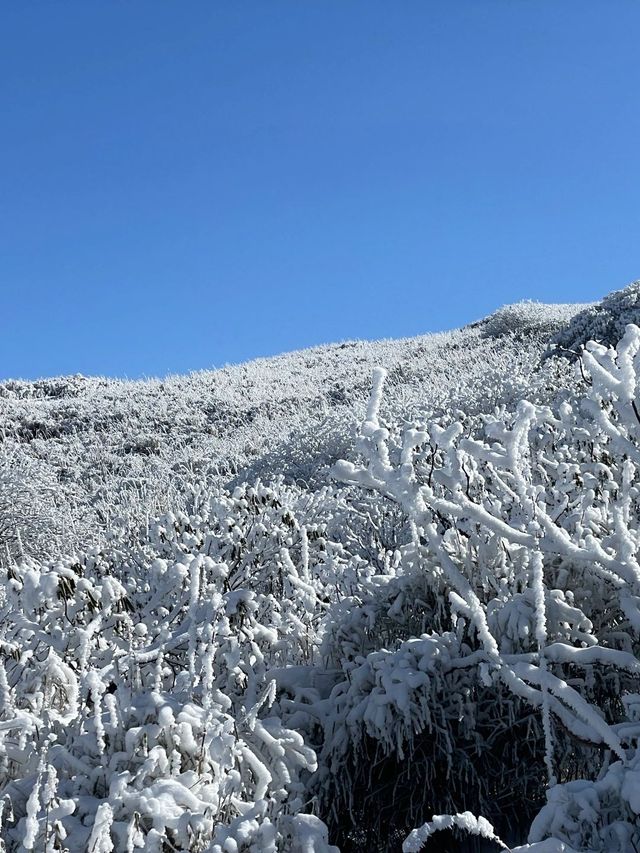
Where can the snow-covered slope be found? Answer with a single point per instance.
(366, 595)
(96, 448)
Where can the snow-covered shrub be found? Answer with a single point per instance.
(604, 322)
(531, 527)
(602, 814)
(31, 518)
(138, 687)
(523, 318)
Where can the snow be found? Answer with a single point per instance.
(465, 821)
(355, 597)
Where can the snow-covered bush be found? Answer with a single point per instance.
(604, 321)
(31, 518)
(138, 687)
(524, 317)
(531, 526)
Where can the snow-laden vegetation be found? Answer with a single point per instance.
(425, 636)
(98, 450)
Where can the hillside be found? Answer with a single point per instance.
(363, 597)
(95, 449)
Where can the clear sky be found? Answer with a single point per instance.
(184, 185)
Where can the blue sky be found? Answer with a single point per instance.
(189, 184)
